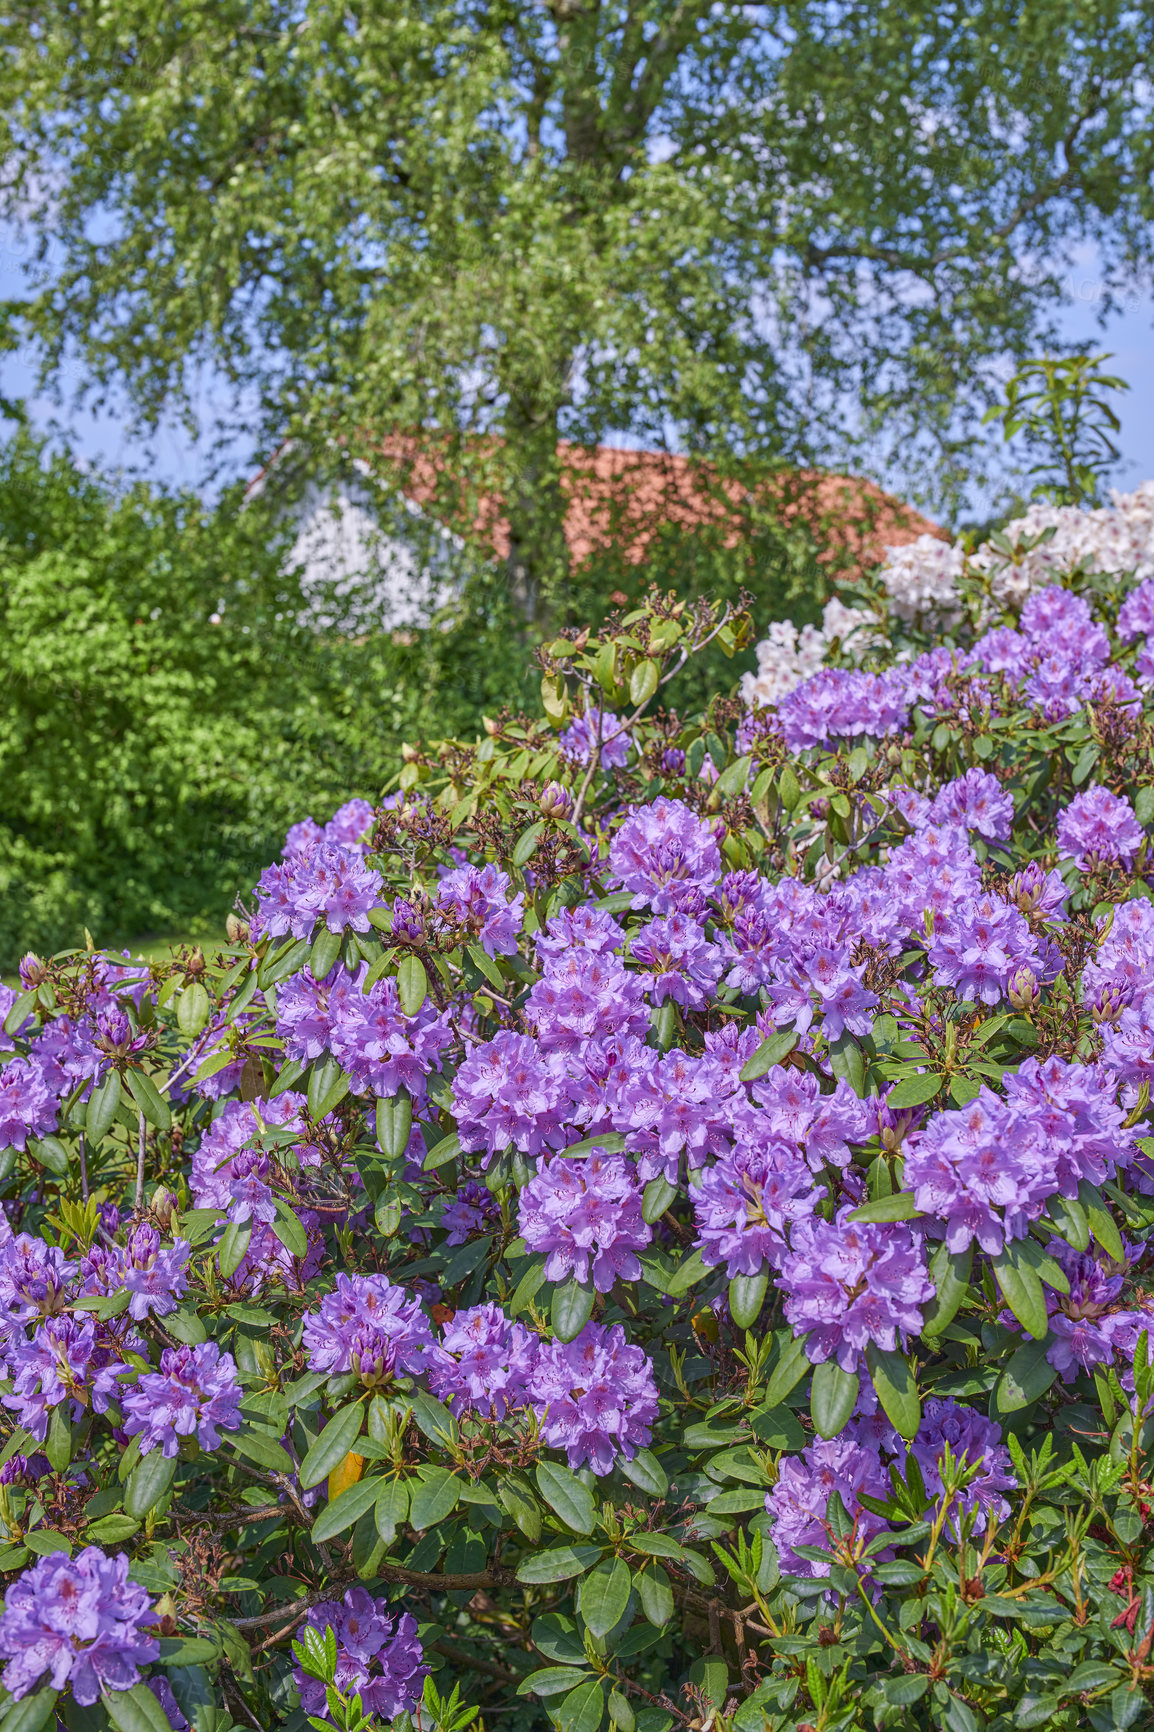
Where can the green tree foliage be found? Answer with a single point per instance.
(129, 715)
(492, 223)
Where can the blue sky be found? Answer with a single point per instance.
(107, 440)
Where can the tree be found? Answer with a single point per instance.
(463, 228)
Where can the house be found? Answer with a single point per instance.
(370, 555)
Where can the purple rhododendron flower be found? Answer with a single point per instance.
(799, 1500)
(478, 899)
(508, 1093)
(586, 1215)
(65, 1361)
(976, 949)
(368, 1325)
(320, 881)
(679, 961)
(382, 1049)
(745, 1202)
(35, 1278)
(585, 995)
(848, 1283)
(485, 1362)
(579, 740)
(974, 1439)
(473, 1210)
(27, 1104)
(378, 1657)
(840, 703)
(975, 801)
(76, 1622)
(1099, 828)
(665, 856)
(154, 1275)
(595, 1397)
(194, 1394)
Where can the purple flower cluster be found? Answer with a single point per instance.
(586, 1216)
(76, 1622)
(665, 856)
(1099, 828)
(856, 1464)
(153, 1274)
(847, 1284)
(479, 900)
(746, 1201)
(379, 1658)
(382, 1049)
(484, 1363)
(194, 1394)
(595, 1397)
(592, 728)
(988, 1169)
(839, 704)
(65, 1361)
(368, 1326)
(319, 881)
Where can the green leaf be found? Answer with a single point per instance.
(657, 1196)
(769, 1053)
(331, 1447)
(434, 1419)
(193, 1009)
(446, 1150)
(187, 1650)
(135, 1710)
(689, 1271)
(22, 1007)
(148, 1482)
(394, 1123)
(832, 1397)
(572, 1309)
(58, 1445)
(45, 1541)
(566, 1496)
(230, 1251)
(746, 1296)
(778, 1428)
(265, 1451)
(412, 984)
(433, 1495)
(326, 947)
(51, 1153)
(558, 1564)
(604, 1595)
(516, 1497)
(950, 1273)
(791, 1367)
(277, 966)
(33, 1712)
(392, 1507)
(327, 1086)
(1143, 810)
(551, 1680)
(144, 1093)
(1022, 1290)
(1101, 1220)
(646, 1472)
(347, 1509)
(1071, 1220)
(101, 1108)
(1026, 1377)
(583, 1709)
(913, 1091)
(289, 1231)
(901, 1206)
(643, 682)
(896, 1389)
(111, 1529)
(527, 1287)
(655, 1594)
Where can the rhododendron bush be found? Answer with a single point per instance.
(646, 1227)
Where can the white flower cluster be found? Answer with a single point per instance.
(921, 577)
(787, 657)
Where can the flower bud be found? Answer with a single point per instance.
(1023, 990)
(161, 1207)
(409, 753)
(1110, 1001)
(236, 930)
(32, 971)
(491, 727)
(555, 801)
